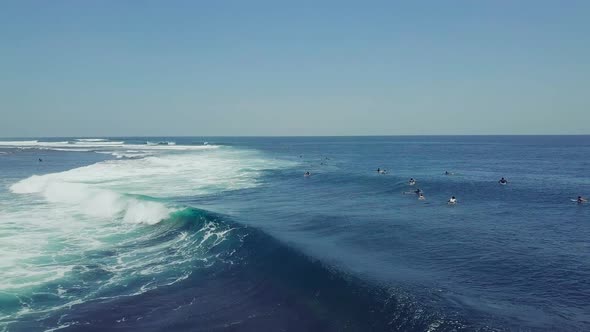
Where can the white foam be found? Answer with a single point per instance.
(31, 143)
(99, 143)
(92, 201)
(127, 153)
(65, 149)
(106, 189)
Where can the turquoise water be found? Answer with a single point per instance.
(227, 234)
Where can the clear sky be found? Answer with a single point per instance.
(120, 68)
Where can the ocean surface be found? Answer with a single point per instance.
(226, 234)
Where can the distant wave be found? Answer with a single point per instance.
(18, 143)
(100, 143)
(91, 139)
(105, 146)
(160, 143)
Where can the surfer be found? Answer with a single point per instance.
(452, 200)
(503, 181)
(448, 173)
(40, 160)
(413, 192)
(581, 200)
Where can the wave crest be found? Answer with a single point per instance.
(99, 203)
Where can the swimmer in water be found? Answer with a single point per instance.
(421, 197)
(412, 182)
(307, 174)
(581, 200)
(452, 200)
(503, 181)
(418, 191)
(40, 160)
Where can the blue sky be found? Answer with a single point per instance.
(118, 68)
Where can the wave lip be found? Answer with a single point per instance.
(94, 202)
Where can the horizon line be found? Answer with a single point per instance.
(295, 136)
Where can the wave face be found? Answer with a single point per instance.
(200, 271)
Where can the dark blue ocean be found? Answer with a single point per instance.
(227, 234)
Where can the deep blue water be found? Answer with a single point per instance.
(247, 243)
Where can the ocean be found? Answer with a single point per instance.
(227, 234)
